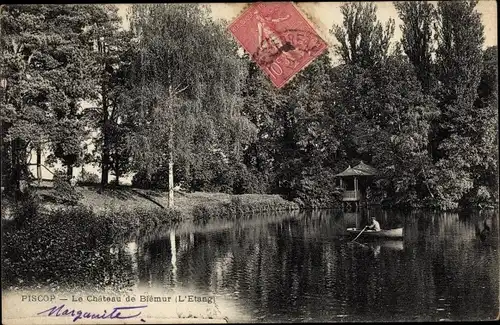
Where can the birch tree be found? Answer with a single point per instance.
(187, 66)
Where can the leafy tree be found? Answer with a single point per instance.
(293, 138)
(187, 67)
(384, 114)
(385, 118)
(77, 82)
(418, 18)
(296, 132)
(46, 66)
(112, 54)
(363, 45)
(262, 106)
(399, 135)
(459, 34)
(308, 130)
(362, 39)
(120, 160)
(23, 119)
(485, 133)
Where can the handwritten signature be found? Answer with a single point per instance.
(116, 313)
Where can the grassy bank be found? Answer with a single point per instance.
(131, 201)
(63, 241)
(190, 205)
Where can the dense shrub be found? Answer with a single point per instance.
(479, 197)
(318, 191)
(142, 179)
(72, 245)
(64, 192)
(16, 212)
(158, 180)
(440, 204)
(236, 208)
(246, 181)
(88, 178)
(214, 177)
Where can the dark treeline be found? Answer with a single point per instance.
(171, 99)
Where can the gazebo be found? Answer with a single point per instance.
(354, 181)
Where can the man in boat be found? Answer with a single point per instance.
(374, 225)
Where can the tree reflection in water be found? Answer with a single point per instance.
(303, 268)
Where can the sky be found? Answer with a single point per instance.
(324, 15)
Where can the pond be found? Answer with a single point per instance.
(304, 267)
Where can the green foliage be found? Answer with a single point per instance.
(88, 178)
(238, 209)
(457, 138)
(212, 175)
(386, 120)
(48, 66)
(309, 137)
(157, 180)
(188, 112)
(430, 151)
(362, 39)
(486, 135)
(248, 181)
(418, 18)
(25, 208)
(67, 246)
(296, 130)
(318, 190)
(174, 88)
(142, 179)
(113, 54)
(65, 193)
(397, 136)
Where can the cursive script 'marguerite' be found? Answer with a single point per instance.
(116, 313)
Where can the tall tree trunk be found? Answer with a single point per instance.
(170, 167)
(39, 165)
(170, 148)
(105, 123)
(105, 134)
(69, 171)
(16, 168)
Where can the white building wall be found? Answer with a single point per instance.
(47, 171)
(77, 171)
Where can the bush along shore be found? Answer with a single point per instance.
(121, 213)
(64, 242)
(68, 245)
(236, 208)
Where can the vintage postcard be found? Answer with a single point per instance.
(249, 162)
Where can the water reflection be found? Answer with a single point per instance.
(304, 268)
(300, 267)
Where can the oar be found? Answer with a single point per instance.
(360, 244)
(360, 233)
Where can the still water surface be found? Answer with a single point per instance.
(302, 266)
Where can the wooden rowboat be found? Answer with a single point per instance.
(390, 233)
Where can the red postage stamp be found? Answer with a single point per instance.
(278, 38)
